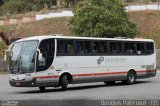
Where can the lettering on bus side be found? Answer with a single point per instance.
(109, 60)
(99, 60)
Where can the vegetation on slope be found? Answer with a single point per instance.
(148, 24)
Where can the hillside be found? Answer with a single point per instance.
(148, 23)
(43, 27)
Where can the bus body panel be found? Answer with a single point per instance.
(88, 68)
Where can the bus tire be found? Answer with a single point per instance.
(131, 78)
(64, 82)
(42, 89)
(109, 82)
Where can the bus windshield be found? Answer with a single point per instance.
(23, 57)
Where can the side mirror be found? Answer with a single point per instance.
(39, 54)
(5, 57)
(7, 53)
(41, 60)
(40, 57)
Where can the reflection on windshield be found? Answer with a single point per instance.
(23, 58)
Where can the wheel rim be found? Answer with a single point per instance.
(131, 78)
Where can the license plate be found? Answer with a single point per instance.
(17, 83)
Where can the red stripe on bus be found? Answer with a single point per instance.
(95, 74)
(43, 77)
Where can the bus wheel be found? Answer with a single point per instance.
(109, 82)
(131, 78)
(64, 82)
(42, 89)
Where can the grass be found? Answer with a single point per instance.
(3, 72)
(8, 27)
(45, 27)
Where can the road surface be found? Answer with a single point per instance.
(144, 89)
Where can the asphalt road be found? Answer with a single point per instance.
(144, 89)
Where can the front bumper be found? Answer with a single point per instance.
(23, 83)
(32, 83)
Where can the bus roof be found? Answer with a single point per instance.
(87, 38)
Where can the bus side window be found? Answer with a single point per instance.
(149, 48)
(130, 48)
(140, 48)
(115, 47)
(88, 47)
(99, 48)
(95, 48)
(65, 47)
(70, 47)
(61, 47)
(79, 47)
(112, 46)
(105, 44)
(127, 48)
(133, 48)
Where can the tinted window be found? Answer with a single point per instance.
(80, 47)
(99, 47)
(88, 47)
(149, 48)
(115, 47)
(62, 46)
(47, 48)
(140, 48)
(130, 48)
(65, 47)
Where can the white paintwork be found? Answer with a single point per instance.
(88, 64)
(54, 15)
(56, 36)
(142, 7)
(69, 13)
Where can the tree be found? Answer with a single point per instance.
(21, 6)
(15, 6)
(102, 18)
(71, 3)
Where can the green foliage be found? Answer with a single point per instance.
(40, 4)
(2, 48)
(8, 27)
(141, 1)
(155, 36)
(21, 6)
(154, 0)
(15, 6)
(105, 18)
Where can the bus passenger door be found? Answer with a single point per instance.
(47, 51)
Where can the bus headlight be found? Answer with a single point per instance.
(28, 76)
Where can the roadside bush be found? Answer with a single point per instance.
(21, 6)
(15, 6)
(40, 4)
(2, 48)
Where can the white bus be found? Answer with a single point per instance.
(53, 61)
